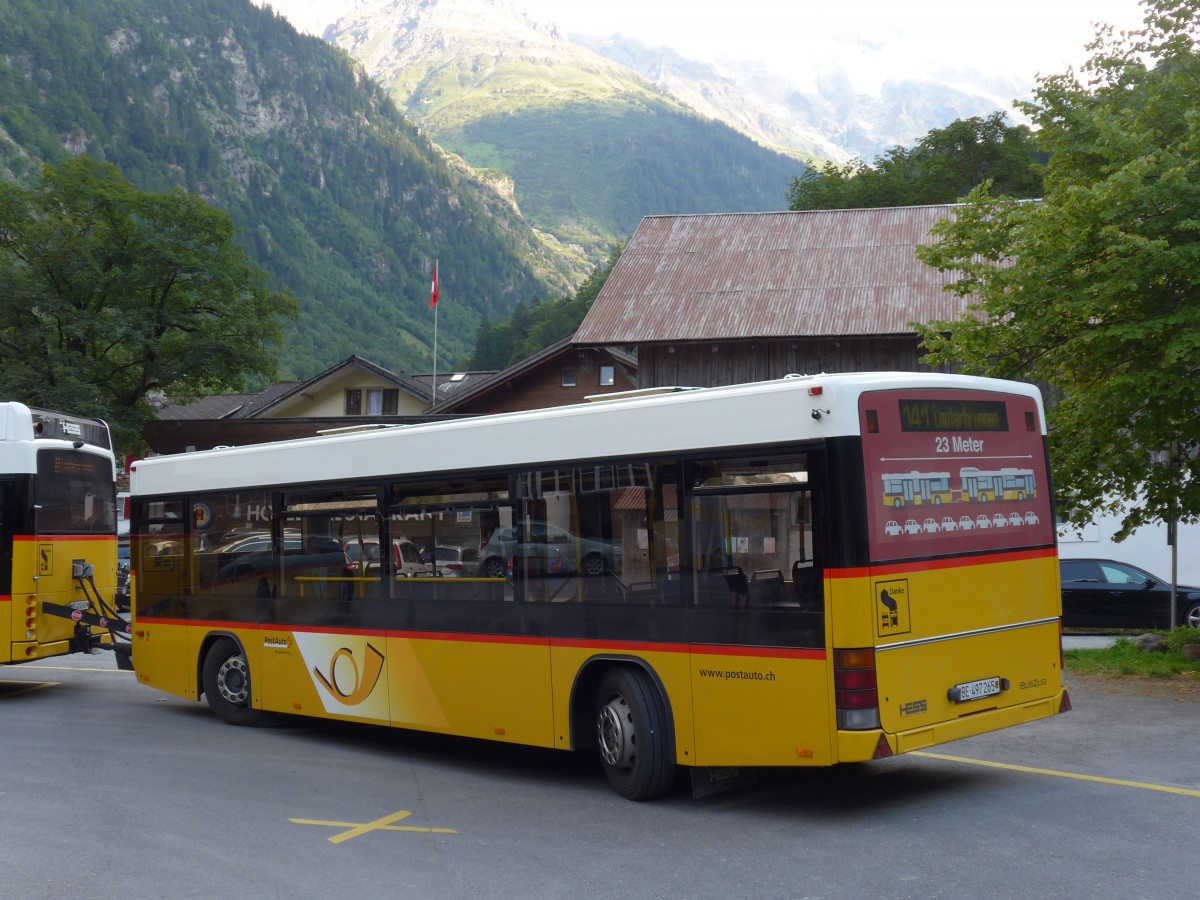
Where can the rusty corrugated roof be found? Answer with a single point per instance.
(778, 274)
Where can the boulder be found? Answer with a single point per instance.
(1150, 643)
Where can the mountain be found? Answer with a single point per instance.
(336, 194)
(819, 116)
(597, 132)
(591, 147)
(822, 119)
(748, 98)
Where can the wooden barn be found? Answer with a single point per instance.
(728, 298)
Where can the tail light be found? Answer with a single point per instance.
(855, 688)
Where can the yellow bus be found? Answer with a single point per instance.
(1003, 484)
(695, 578)
(58, 533)
(917, 489)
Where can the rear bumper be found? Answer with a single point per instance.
(857, 746)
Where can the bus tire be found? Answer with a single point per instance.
(226, 682)
(1191, 616)
(631, 733)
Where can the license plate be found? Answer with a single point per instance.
(975, 690)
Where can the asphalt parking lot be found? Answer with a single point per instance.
(113, 790)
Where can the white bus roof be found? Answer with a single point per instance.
(21, 439)
(788, 410)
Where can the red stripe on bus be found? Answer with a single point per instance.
(43, 538)
(958, 562)
(512, 639)
(268, 626)
(763, 652)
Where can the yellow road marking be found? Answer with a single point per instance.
(357, 829)
(1117, 781)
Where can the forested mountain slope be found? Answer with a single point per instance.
(591, 147)
(337, 195)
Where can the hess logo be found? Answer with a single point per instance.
(346, 681)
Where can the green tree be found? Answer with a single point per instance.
(108, 293)
(943, 167)
(1096, 290)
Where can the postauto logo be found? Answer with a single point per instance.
(346, 672)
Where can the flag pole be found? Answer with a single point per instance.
(433, 299)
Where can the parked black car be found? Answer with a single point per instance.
(121, 595)
(1104, 593)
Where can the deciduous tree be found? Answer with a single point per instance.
(1096, 290)
(943, 167)
(108, 293)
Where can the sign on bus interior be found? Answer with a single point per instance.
(956, 473)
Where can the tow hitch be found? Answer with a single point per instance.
(94, 612)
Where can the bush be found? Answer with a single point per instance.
(1124, 658)
(1180, 637)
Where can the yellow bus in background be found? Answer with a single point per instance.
(698, 579)
(58, 533)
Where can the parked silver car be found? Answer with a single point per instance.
(588, 556)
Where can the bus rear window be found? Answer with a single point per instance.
(75, 493)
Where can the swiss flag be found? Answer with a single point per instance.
(433, 291)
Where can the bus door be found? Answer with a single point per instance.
(758, 623)
(12, 619)
(470, 668)
(162, 597)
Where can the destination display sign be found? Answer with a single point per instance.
(952, 415)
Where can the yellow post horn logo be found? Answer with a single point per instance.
(364, 682)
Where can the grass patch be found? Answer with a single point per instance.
(1123, 658)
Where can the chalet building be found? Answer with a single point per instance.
(721, 299)
(554, 376)
(354, 392)
(357, 392)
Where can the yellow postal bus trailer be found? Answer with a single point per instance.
(58, 534)
(701, 578)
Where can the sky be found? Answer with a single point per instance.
(870, 40)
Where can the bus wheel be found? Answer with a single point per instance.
(631, 731)
(226, 681)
